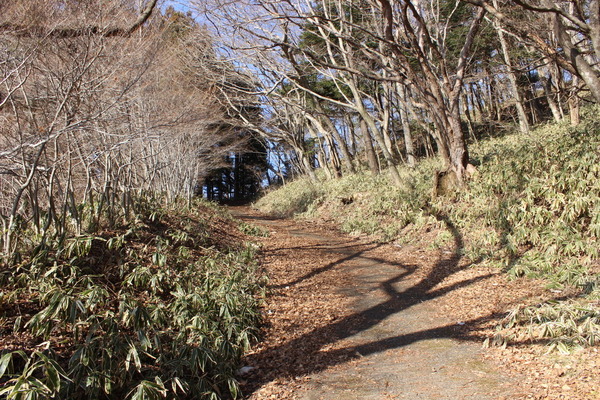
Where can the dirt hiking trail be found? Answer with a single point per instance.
(348, 318)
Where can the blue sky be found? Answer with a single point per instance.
(179, 5)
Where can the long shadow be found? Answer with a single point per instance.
(240, 212)
(305, 355)
(348, 248)
(327, 267)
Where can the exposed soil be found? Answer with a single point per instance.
(349, 318)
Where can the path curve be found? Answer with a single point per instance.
(353, 319)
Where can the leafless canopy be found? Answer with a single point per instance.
(100, 102)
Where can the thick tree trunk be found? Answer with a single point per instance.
(459, 155)
(574, 103)
(454, 151)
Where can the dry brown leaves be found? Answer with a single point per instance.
(306, 303)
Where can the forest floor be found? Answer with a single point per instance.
(351, 318)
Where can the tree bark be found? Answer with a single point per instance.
(547, 83)
(574, 103)
(577, 59)
(346, 155)
(18, 30)
(522, 115)
(440, 88)
(404, 120)
(321, 156)
(369, 150)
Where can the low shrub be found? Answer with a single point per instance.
(295, 198)
(159, 309)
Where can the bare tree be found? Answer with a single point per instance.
(575, 26)
(92, 121)
(400, 42)
(44, 19)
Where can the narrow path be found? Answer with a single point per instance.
(352, 319)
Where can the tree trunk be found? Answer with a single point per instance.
(334, 158)
(346, 155)
(408, 141)
(477, 102)
(308, 168)
(577, 59)
(523, 124)
(459, 155)
(594, 24)
(467, 112)
(384, 121)
(574, 103)
(547, 83)
(369, 150)
(389, 159)
(321, 156)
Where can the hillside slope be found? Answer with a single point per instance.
(532, 210)
(162, 306)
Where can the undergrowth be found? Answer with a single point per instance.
(360, 203)
(253, 230)
(532, 209)
(159, 308)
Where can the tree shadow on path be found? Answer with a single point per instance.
(308, 353)
(352, 255)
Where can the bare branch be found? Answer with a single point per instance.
(37, 31)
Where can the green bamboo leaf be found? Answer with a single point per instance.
(178, 385)
(233, 387)
(5, 361)
(563, 348)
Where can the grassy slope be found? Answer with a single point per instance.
(533, 209)
(163, 306)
